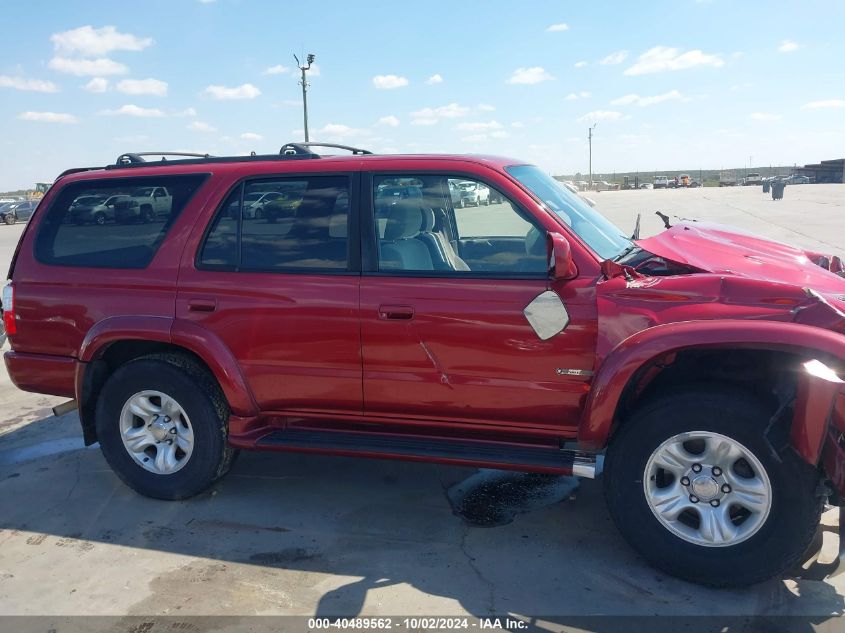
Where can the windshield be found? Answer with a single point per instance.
(591, 226)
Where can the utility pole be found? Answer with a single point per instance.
(590, 140)
(304, 83)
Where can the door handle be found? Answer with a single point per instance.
(202, 305)
(396, 313)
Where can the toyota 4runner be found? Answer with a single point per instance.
(700, 369)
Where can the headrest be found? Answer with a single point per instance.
(427, 220)
(403, 221)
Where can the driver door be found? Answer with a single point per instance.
(444, 334)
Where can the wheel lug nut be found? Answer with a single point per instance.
(726, 488)
(173, 430)
(716, 471)
(696, 468)
(693, 498)
(167, 418)
(714, 503)
(685, 481)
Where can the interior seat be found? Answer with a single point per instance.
(400, 248)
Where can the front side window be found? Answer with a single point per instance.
(451, 224)
(598, 232)
(281, 224)
(112, 223)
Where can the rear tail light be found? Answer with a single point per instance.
(9, 310)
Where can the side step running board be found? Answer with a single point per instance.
(477, 453)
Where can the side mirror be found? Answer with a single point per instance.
(561, 264)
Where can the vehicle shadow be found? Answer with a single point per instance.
(328, 536)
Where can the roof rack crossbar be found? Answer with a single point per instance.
(138, 157)
(305, 148)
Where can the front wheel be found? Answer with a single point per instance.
(162, 425)
(10, 218)
(693, 486)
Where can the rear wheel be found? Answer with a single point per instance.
(693, 486)
(100, 218)
(162, 425)
(10, 218)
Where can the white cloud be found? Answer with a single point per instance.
(389, 121)
(614, 58)
(580, 64)
(560, 26)
(32, 85)
(663, 58)
(339, 130)
(278, 69)
(573, 96)
(244, 91)
(486, 107)
(251, 136)
(187, 112)
(389, 82)
(765, 116)
(601, 115)
(48, 117)
(479, 126)
(634, 99)
(87, 67)
(200, 126)
(827, 103)
(153, 87)
(133, 110)
(432, 116)
(90, 42)
(788, 46)
(517, 124)
(206, 1)
(97, 84)
(434, 79)
(533, 75)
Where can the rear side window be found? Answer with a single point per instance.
(281, 225)
(114, 223)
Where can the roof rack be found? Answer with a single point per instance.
(293, 149)
(288, 151)
(138, 157)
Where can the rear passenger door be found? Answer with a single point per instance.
(280, 289)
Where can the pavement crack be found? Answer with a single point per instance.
(491, 601)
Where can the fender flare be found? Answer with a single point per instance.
(190, 336)
(624, 360)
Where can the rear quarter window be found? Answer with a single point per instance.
(114, 223)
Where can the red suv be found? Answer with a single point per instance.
(359, 312)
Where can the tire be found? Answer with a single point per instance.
(147, 215)
(10, 218)
(776, 539)
(100, 219)
(201, 401)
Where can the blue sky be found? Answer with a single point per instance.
(687, 83)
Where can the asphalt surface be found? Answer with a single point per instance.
(293, 534)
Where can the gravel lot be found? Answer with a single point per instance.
(291, 534)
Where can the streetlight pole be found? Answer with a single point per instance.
(590, 140)
(304, 83)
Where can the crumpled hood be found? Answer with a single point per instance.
(721, 249)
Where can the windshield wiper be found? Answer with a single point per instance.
(626, 252)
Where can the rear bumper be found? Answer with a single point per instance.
(41, 373)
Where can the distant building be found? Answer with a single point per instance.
(825, 171)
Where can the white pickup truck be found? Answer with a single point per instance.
(146, 204)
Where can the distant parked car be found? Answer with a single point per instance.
(796, 179)
(14, 211)
(694, 183)
(93, 209)
(646, 185)
(661, 182)
(752, 179)
(474, 194)
(683, 180)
